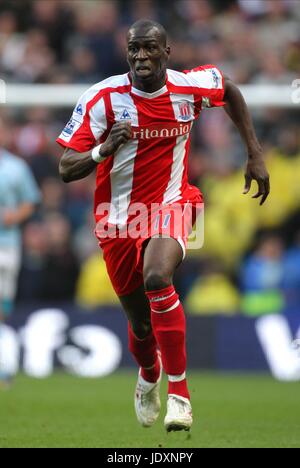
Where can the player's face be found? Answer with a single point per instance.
(147, 55)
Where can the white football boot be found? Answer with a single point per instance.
(147, 400)
(179, 414)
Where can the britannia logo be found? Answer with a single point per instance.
(184, 111)
(168, 130)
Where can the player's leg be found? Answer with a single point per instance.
(162, 256)
(137, 309)
(143, 346)
(142, 343)
(9, 269)
(120, 257)
(5, 376)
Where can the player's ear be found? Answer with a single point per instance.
(168, 52)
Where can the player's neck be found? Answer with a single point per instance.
(149, 87)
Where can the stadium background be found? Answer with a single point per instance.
(242, 290)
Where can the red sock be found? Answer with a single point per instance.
(145, 354)
(169, 327)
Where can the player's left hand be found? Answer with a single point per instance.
(256, 170)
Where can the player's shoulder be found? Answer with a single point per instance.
(109, 85)
(187, 77)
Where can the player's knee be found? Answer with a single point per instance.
(141, 330)
(155, 280)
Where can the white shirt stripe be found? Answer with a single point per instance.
(98, 121)
(173, 192)
(209, 78)
(121, 175)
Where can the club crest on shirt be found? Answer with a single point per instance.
(185, 112)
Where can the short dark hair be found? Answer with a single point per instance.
(149, 24)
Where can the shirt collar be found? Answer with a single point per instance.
(143, 94)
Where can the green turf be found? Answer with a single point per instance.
(229, 411)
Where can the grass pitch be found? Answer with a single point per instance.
(229, 411)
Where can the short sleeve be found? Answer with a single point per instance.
(209, 80)
(87, 124)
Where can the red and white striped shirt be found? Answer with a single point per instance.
(152, 167)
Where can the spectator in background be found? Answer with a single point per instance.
(72, 203)
(94, 287)
(56, 19)
(18, 196)
(37, 58)
(213, 292)
(12, 44)
(61, 267)
(84, 64)
(53, 197)
(39, 41)
(31, 137)
(84, 239)
(273, 71)
(50, 267)
(33, 262)
(79, 201)
(291, 275)
(96, 23)
(262, 276)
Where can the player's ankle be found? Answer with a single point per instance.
(151, 374)
(178, 388)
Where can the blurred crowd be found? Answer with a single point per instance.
(71, 41)
(251, 254)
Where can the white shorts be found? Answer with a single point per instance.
(10, 261)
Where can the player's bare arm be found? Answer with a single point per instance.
(17, 216)
(74, 165)
(238, 111)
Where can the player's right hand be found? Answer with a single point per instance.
(120, 133)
